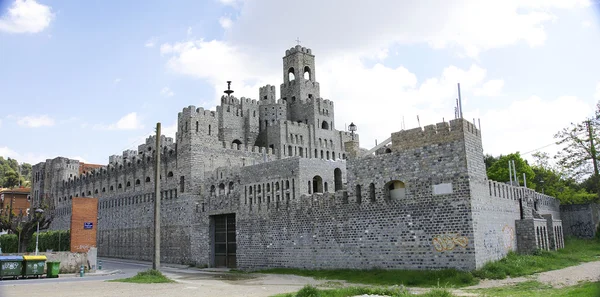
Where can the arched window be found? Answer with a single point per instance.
(120, 186)
(222, 189)
(325, 125)
(238, 144)
(337, 178)
(212, 190)
(258, 189)
(358, 194)
(388, 150)
(276, 186)
(103, 190)
(287, 184)
(137, 182)
(268, 188)
(96, 191)
(209, 129)
(112, 188)
(230, 186)
(372, 192)
(170, 174)
(147, 179)
(290, 151)
(250, 190)
(317, 184)
(307, 73)
(395, 190)
(291, 74)
(326, 187)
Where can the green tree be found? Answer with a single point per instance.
(11, 179)
(24, 224)
(498, 171)
(579, 157)
(489, 160)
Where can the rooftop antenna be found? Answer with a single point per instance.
(229, 91)
(460, 113)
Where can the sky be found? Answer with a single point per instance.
(90, 79)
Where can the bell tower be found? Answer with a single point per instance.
(299, 82)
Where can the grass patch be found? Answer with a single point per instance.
(537, 289)
(150, 276)
(414, 278)
(576, 251)
(310, 291)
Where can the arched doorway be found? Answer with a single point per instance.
(238, 144)
(317, 184)
(337, 178)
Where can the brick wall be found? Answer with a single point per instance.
(84, 210)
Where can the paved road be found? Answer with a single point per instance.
(111, 269)
(190, 282)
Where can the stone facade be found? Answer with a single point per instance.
(271, 183)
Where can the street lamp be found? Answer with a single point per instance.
(37, 235)
(352, 128)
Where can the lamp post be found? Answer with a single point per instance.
(37, 234)
(352, 128)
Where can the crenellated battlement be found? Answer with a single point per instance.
(326, 102)
(297, 49)
(252, 149)
(439, 133)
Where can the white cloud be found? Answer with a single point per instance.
(249, 56)
(117, 80)
(597, 95)
(131, 121)
(30, 158)
(79, 158)
(189, 31)
(490, 88)
(167, 92)
(151, 42)
(586, 24)
(35, 121)
(526, 130)
(26, 16)
(471, 26)
(230, 2)
(225, 22)
(170, 131)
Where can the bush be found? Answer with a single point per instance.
(51, 240)
(308, 291)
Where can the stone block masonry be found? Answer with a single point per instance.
(272, 183)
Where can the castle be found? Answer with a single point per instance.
(271, 183)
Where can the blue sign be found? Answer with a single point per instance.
(88, 225)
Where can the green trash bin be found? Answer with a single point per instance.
(34, 265)
(11, 266)
(52, 269)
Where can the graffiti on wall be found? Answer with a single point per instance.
(508, 234)
(447, 242)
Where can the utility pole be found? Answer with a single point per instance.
(156, 263)
(592, 147)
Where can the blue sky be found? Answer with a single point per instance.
(90, 79)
